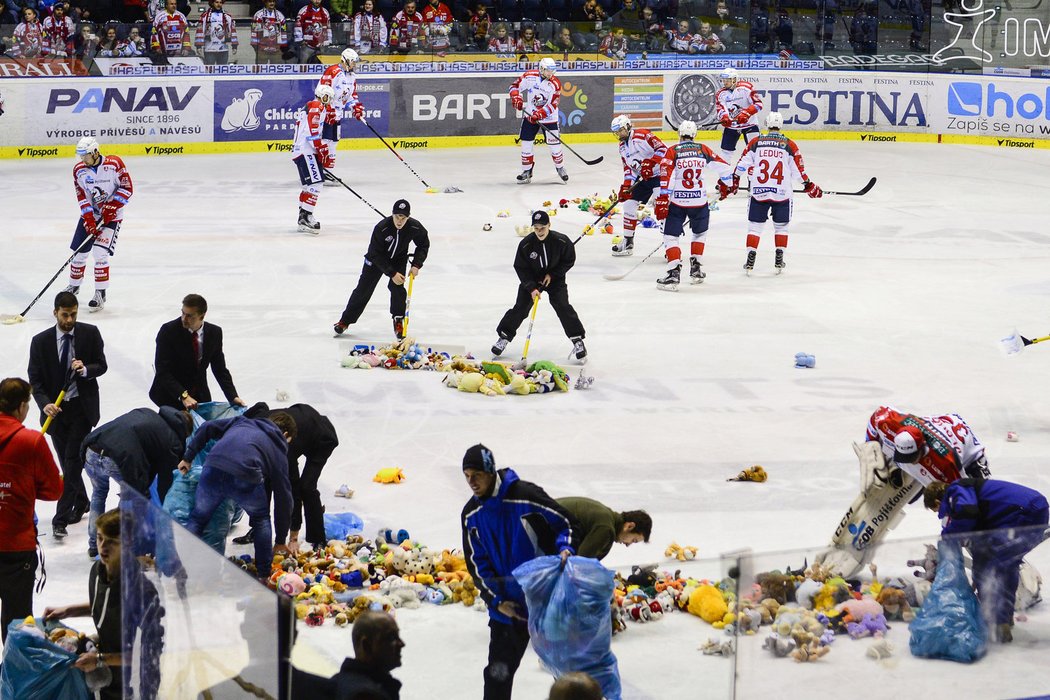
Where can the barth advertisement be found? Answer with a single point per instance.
(481, 106)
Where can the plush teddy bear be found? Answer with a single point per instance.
(712, 647)
(780, 646)
(809, 652)
(880, 650)
(291, 584)
(471, 382)
(707, 603)
(855, 610)
(776, 585)
(869, 626)
(389, 475)
(806, 590)
(894, 603)
(676, 551)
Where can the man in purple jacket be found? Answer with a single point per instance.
(248, 453)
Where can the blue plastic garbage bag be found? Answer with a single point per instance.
(338, 525)
(36, 669)
(949, 625)
(570, 621)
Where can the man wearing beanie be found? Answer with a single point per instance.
(543, 259)
(506, 523)
(388, 255)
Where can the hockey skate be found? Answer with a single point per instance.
(72, 289)
(525, 177)
(562, 174)
(307, 222)
(98, 302)
(499, 346)
(669, 282)
(579, 351)
(624, 247)
(778, 262)
(749, 265)
(399, 327)
(339, 328)
(696, 272)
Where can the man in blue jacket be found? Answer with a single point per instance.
(979, 505)
(506, 523)
(249, 452)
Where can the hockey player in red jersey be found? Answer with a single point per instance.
(682, 195)
(772, 163)
(103, 186)
(311, 153)
(535, 94)
(340, 77)
(738, 106)
(641, 153)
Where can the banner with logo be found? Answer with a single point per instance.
(40, 67)
(481, 106)
(140, 65)
(265, 110)
(1013, 110)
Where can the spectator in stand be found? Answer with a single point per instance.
(27, 473)
(313, 30)
(761, 39)
(785, 30)
(501, 42)
(406, 30)
(824, 25)
(629, 18)
(269, 33)
(28, 38)
(369, 29)
(216, 37)
(591, 12)
(480, 23)
(342, 10)
(527, 41)
(614, 44)
(109, 47)
(917, 15)
(9, 15)
(655, 34)
(707, 41)
(133, 46)
(562, 43)
(863, 33)
(438, 19)
(59, 33)
(171, 32)
(86, 42)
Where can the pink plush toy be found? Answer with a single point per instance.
(291, 584)
(857, 609)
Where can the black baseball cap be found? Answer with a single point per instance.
(402, 207)
(479, 457)
(541, 217)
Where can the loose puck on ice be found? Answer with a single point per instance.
(486, 227)
(1011, 436)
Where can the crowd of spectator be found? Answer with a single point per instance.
(283, 30)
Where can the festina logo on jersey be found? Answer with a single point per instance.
(166, 99)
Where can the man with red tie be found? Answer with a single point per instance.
(186, 346)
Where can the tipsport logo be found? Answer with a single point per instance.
(571, 91)
(1021, 37)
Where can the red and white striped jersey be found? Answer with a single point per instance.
(216, 31)
(269, 34)
(952, 450)
(109, 181)
(538, 93)
(438, 24)
(501, 45)
(171, 34)
(679, 41)
(307, 140)
(29, 40)
(742, 98)
(344, 84)
(369, 32)
(682, 173)
(772, 164)
(641, 145)
(58, 37)
(407, 30)
(313, 26)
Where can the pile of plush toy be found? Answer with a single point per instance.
(500, 378)
(403, 354)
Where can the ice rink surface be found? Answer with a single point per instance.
(901, 295)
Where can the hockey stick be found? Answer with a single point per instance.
(385, 143)
(70, 378)
(1014, 343)
(329, 175)
(597, 160)
(703, 127)
(862, 191)
(590, 227)
(616, 278)
(408, 305)
(9, 320)
(528, 336)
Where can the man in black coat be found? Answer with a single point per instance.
(388, 255)
(186, 347)
(135, 448)
(70, 355)
(543, 259)
(377, 651)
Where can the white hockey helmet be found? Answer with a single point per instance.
(325, 93)
(620, 121)
(348, 57)
(86, 145)
(908, 445)
(687, 129)
(729, 77)
(547, 66)
(774, 120)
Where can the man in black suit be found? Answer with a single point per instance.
(70, 356)
(185, 348)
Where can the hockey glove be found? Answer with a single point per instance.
(726, 120)
(724, 190)
(90, 225)
(518, 103)
(812, 190)
(109, 212)
(661, 207)
(743, 117)
(646, 170)
(325, 158)
(359, 112)
(626, 189)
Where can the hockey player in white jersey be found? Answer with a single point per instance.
(312, 154)
(772, 164)
(535, 94)
(103, 187)
(341, 78)
(683, 195)
(641, 152)
(738, 105)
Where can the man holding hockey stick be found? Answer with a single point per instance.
(535, 94)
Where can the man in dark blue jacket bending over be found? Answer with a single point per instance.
(976, 505)
(507, 523)
(249, 452)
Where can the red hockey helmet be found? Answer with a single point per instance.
(908, 445)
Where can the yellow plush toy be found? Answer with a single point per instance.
(389, 475)
(471, 382)
(676, 551)
(707, 603)
(755, 473)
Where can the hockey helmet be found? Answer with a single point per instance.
(687, 129)
(621, 121)
(348, 57)
(86, 145)
(729, 77)
(325, 93)
(774, 120)
(908, 445)
(547, 67)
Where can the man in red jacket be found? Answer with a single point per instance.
(27, 473)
